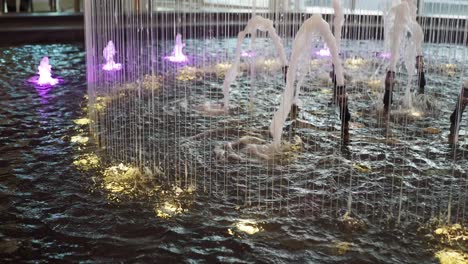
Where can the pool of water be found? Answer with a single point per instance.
(52, 209)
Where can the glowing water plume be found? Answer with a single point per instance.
(109, 53)
(325, 52)
(45, 74)
(248, 54)
(384, 55)
(254, 24)
(304, 36)
(177, 54)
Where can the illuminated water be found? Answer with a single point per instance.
(52, 210)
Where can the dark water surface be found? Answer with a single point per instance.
(52, 212)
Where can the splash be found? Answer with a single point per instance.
(44, 79)
(254, 24)
(178, 55)
(109, 53)
(304, 36)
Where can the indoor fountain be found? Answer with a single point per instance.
(187, 134)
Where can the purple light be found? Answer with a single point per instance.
(112, 66)
(177, 54)
(325, 52)
(109, 53)
(45, 74)
(385, 55)
(248, 54)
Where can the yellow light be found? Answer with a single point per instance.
(82, 121)
(101, 102)
(223, 66)
(447, 256)
(151, 82)
(431, 130)
(342, 248)
(86, 162)
(354, 63)
(79, 139)
(187, 74)
(269, 64)
(362, 168)
(416, 113)
(249, 227)
(374, 83)
(168, 210)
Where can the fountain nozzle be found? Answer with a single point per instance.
(341, 98)
(421, 76)
(285, 72)
(388, 97)
(455, 118)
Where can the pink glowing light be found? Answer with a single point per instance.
(109, 53)
(177, 54)
(45, 74)
(325, 52)
(385, 55)
(248, 54)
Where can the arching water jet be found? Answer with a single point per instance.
(254, 24)
(400, 21)
(315, 24)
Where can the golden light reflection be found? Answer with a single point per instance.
(87, 162)
(174, 201)
(123, 179)
(79, 139)
(431, 130)
(341, 248)
(247, 226)
(354, 63)
(187, 74)
(131, 182)
(326, 91)
(168, 210)
(448, 256)
(415, 113)
(82, 121)
(152, 82)
(374, 84)
(450, 69)
(101, 102)
(362, 168)
(269, 64)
